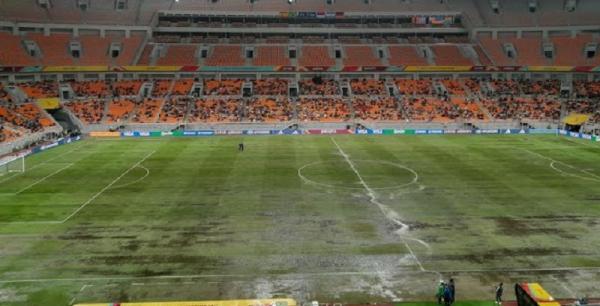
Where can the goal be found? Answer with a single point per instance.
(12, 163)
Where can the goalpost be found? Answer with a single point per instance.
(12, 163)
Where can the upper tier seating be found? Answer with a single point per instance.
(405, 56)
(315, 56)
(13, 53)
(360, 56)
(55, 48)
(271, 56)
(94, 50)
(450, 55)
(130, 47)
(225, 55)
(179, 55)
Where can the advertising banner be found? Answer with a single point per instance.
(542, 131)
(105, 134)
(388, 132)
(314, 131)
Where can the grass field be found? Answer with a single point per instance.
(342, 218)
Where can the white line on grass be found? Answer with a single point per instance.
(44, 178)
(106, 188)
(291, 275)
(136, 181)
(42, 163)
(554, 161)
(562, 284)
(387, 212)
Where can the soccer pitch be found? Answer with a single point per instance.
(334, 218)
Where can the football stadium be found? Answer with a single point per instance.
(299, 152)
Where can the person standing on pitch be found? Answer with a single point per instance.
(440, 292)
(241, 147)
(447, 295)
(452, 291)
(499, 291)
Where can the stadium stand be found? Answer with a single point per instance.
(182, 87)
(268, 110)
(98, 89)
(120, 110)
(270, 87)
(88, 111)
(43, 89)
(323, 110)
(54, 48)
(226, 87)
(126, 87)
(323, 88)
(419, 87)
(12, 52)
(367, 87)
(223, 55)
(161, 88)
(449, 55)
(405, 55)
(215, 110)
(315, 56)
(360, 56)
(94, 50)
(376, 109)
(174, 110)
(179, 55)
(271, 56)
(148, 110)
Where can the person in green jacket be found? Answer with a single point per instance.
(440, 292)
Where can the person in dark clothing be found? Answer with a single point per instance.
(439, 294)
(447, 296)
(499, 291)
(452, 291)
(241, 147)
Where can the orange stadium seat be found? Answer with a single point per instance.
(450, 55)
(44, 89)
(376, 109)
(173, 110)
(89, 111)
(323, 110)
(97, 88)
(405, 56)
(161, 88)
(182, 87)
(120, 110)
(130, 47)
(215, 110)
(179, 55)
(271, 56)
(222, 55)
(315, 56)
(360, 56)
(55, 48)
(225, 87)
(94, 50)
(367, 87)
(269, 110)
(147, 111)
(410, 86)
(12, 52)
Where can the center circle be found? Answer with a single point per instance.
(377, 175)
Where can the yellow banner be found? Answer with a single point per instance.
(576, 119)
(48, 103)
(550, 68)
(263, 302)
(74, 68)
(152, 68)
(438, 68)
(105, 134)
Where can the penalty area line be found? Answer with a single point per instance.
(90, 200)
(44, 178)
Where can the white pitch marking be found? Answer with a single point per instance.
(562, 284)
(252, 276)
(44, 178)
(387, 212)
(136, 181)
(42, 163)
(553, 161)
(106, 187)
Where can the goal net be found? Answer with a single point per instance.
(12, 163)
